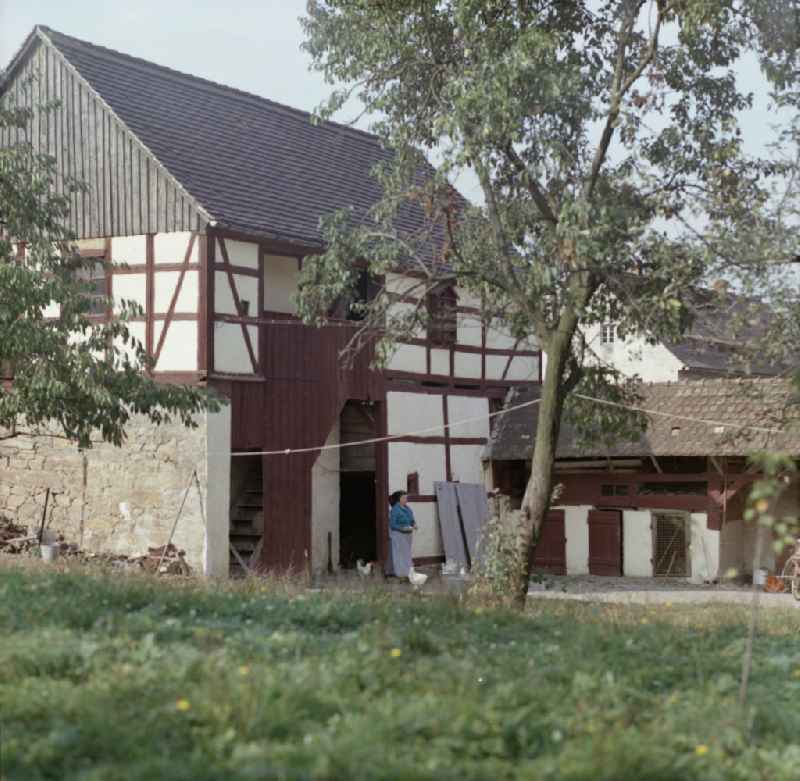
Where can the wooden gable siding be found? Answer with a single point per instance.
(128, 191)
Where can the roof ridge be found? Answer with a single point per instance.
(210, 84)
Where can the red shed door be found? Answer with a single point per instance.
(605, 542)
(551, 551)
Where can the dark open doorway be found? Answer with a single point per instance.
(357, 501)
(357, 518)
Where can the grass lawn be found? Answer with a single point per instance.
(123, 677)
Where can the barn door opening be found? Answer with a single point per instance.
(671, 545)
(605, 542)
(550, 553)
(357, 500)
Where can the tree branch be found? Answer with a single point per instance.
(620, 85)
(538, 196)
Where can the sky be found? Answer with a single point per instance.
(253, 45)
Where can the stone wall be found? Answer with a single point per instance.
(131, 494)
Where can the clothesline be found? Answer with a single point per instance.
(464, 421)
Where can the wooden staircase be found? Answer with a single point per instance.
(247, 524)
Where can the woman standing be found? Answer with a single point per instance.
(401, 528)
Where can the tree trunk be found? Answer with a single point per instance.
(536, 501)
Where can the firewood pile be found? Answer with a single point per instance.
(163, 560)
(15, 539)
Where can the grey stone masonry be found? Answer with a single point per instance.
(131, 494)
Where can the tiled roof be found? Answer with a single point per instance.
(729, 405)
(255, 165)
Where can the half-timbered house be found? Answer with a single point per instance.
(201, 203)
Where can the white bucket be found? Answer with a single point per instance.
(49, 552)
(759, 577)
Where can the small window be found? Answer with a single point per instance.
(92, 275)
(676, 488)
(608, 333)
(412, 483)
(442, 318)
(614, 489)
(351, 306)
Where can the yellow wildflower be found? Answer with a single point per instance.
(183, 705)
(244, 670)
(701, 749)
(395, 652)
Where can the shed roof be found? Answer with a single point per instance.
(730, 407)
(254, 165)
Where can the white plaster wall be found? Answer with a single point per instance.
(704, 548)
(230, 349)
(281, 276)
(402, 309)
(130, 250)
(467, 299)
(164, 283)
(218, 499)
(52, 310)
(427, 460)
(768, 558)
(427, 540)
(465, 463)
(137, 331)
(246, 287)
(576, 530)
(470, 330)
(407, 412)
(408, 358)
(498, 338)
(523, 367)
(495, 366)
(242, 253)
(637, 543)
(171, 247)
(440, 361)
(179, 351)
(467, 365)
(130, 287)
(653, 363)
(325, 494)
(465, 408)
(404, 285)
(731, 548)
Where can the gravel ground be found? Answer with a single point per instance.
(644, 591)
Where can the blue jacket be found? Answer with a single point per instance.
(401, 517)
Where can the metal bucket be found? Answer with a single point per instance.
(49, 552)
(759, 577)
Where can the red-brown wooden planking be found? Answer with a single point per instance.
(296, 406)
(605, 542)
(550, 553)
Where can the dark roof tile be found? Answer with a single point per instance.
(253, 164)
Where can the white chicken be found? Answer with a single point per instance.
(416, 578)
(364, 569)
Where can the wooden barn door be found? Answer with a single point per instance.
(551, 551)
(605, 542)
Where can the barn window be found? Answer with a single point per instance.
(442, 322)
(412, 483)
(679, 488)
(608, 333)
(614, 490)
(351, 305)
(92, 277)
